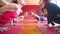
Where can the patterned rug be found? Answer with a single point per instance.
(30, 29)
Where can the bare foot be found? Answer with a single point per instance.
(57, 28)
(39, 21)
(3, 29)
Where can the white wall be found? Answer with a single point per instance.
(32, 2)
(56, 2)
(29, 2)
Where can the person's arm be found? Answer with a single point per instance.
(45, 12)
(15, 7)
(50, 20)
(19, 10)
(35, 15)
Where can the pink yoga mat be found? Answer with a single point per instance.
(13, 30)
(47, 30)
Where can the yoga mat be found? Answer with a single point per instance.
(30, 29)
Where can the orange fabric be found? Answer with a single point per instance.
(30, 29)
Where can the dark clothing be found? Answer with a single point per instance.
(41, 18)
(53, 13)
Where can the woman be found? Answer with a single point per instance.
(8, 11)
(51, 10)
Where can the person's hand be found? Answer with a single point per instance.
(32, 13)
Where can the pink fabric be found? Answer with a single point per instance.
(7, 17)
(14, 29)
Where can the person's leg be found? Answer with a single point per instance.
(3, 28)
(35, 15)
(42, 18)
(7, 17)
(57, 24)
(57, 21)
(50, 21)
